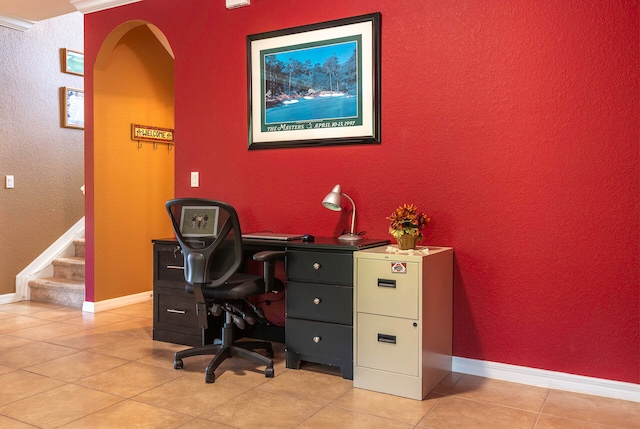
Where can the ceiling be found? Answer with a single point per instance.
(36, 10)
(23, 14)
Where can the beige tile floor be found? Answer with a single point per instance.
(61, 368)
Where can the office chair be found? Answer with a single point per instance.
(211, 240)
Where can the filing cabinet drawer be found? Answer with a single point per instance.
(177, 310)
(323, 340)
(320, 267)
(388, 344)
(382, 291)
(325, 303)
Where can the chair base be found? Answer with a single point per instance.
(243, 349)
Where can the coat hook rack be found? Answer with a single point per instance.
(155, 135)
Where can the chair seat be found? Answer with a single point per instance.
(239, 286)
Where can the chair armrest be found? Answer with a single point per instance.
(269, 255)
(269, 258)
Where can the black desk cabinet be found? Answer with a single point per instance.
(319, 299)
(174, 310)
(319, 303)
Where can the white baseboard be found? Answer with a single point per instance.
(548, 379)
(92, 307)
(109, 304)
(10, 298)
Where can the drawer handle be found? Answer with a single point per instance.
(316, 266)
(387, 283)
(171, 310)
(317, 339)
(384, 338)
(317, 300)
(175, 267)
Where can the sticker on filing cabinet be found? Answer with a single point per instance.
(399, 267)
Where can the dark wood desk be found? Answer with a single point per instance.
(319, 300)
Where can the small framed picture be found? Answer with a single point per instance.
(199, 221)
(73, 62)
(73, 108)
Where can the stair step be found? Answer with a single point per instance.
(59, 291)
(71, 267)
(79, 245)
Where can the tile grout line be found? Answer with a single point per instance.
(546, 397)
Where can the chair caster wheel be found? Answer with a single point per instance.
(177, 364)
(269, 373)
(209, 378)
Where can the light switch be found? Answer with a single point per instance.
(195, 179)
(231, 4)
(8, 181)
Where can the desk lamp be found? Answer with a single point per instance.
(333, 201)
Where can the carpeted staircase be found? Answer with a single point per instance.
(66, 287)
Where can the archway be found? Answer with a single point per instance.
(133, 84)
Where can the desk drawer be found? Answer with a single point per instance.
(388, 343)
(325, 303)
(324, 340)
(177, 310)
(381, 291)
(170, 267)
(320, 267)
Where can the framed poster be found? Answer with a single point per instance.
(73, 61)
(199, 221)
(73, 108)
(315, 85)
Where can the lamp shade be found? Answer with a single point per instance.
(333, 200)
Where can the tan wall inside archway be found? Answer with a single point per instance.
(133, 83)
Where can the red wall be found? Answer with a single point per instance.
(513, 124)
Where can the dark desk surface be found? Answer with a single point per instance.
(320, 243)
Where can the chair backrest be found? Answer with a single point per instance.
(209, 233)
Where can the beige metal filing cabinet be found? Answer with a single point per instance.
(402, 320)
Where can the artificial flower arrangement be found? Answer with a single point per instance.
(407, 220)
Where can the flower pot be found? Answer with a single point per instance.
(406, 242)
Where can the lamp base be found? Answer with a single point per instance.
(350, 237)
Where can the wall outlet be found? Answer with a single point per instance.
(195, 179)
(8, 182)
